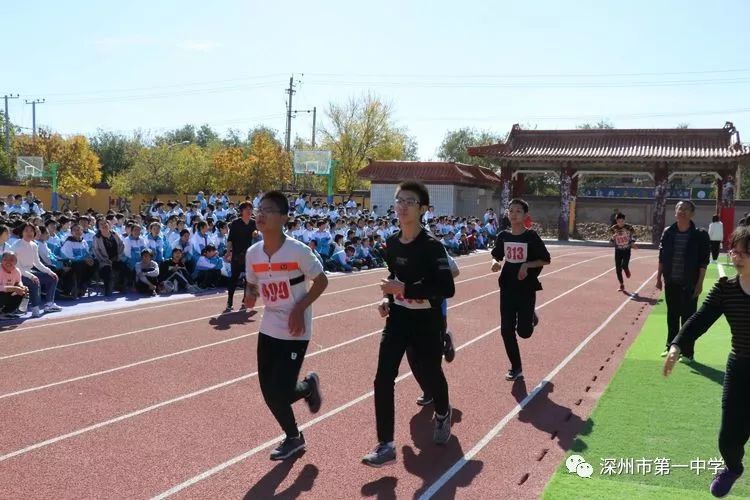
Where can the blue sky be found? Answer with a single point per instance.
(442, 65)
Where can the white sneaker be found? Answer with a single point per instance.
(36, 313)
(52, 307)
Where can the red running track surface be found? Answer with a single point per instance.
(163, 400)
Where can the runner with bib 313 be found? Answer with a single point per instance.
(524, 254)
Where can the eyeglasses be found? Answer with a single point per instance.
(411, 202)
(268, 211)
(738, 253)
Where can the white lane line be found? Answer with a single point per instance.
(722, 271)
(447, 475)
(226, 383)
(232, 461)
(201, 318)
(83, 316)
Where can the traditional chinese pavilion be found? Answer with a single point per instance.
(658, 154)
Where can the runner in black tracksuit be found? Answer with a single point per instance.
(623, 237)
(524, 254)
(420, 278)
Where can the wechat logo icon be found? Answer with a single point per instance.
(577, 464)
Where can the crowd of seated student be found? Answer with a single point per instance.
(171, 249)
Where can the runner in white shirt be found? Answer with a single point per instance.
(277, 268)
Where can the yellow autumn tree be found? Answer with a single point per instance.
(270, 167)
(80, 168)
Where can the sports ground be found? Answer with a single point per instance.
(162, 400)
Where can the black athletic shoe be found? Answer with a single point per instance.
(514, 375)
(288, 447)
(227, 310)
(424, 400)
(315, 398)
(383, 454)
(448, 350)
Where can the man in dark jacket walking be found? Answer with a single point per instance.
(683, 258)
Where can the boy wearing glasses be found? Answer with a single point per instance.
(418, 282)
(277, 268)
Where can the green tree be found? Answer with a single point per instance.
(151, 173)
(359, 129)
(116, 151)
(601, 124)
(744, 188)
(191, 169)
(456, 144)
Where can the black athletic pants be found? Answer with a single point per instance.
(415, 367)
(735, 412)
(715, 247)
(279, 363)
(680, 306)
(238, 267)
(418, 330)
(622, 261)
(516, 316)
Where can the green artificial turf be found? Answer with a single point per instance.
(642, 415)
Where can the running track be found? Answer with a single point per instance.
(162, 400)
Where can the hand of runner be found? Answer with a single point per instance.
(297, 322)
(496, 266)
(671, 359)
(384, 308)
(658, 284)
(523, 271)
(250, 297)
(392, 287)
(698, 290)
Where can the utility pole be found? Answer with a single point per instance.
(33, 114)
(289, 112)
(7, 121)
(315, 113)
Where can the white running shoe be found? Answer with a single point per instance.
(52, 307)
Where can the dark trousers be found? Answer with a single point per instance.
(76, 281)
(47, 286)
(680, 306)
(9, 302)
(238, 267)
(144, 287)
(516, 316)
(279, 363)
(416, 368)
(110, 274)
(420, 331)
(622, 261)
(715, 247)
(208, 277)
(735, 412)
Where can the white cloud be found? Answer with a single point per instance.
(198, 45)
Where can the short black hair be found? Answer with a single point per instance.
(278, 199)
(688, 203)
(522, 203)
(619, 215)
(416, 187)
